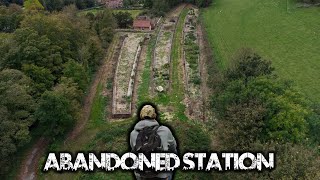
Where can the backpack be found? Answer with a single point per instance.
(148, 141)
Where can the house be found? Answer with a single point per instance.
(113, 4)
(142, 23)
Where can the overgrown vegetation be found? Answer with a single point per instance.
(115, 138)
(124, 19)
(259, 111)
(46, 63)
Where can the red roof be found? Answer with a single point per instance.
(142, 23)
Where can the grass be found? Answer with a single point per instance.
(280, 32)
(143, 89)
(177, 91)
(134, 13)
(98, 108)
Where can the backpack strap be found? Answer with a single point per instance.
(156, 127)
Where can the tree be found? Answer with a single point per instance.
(242, 125)
(148, 4)
(49, 42)
(159, 7)
(314, 124)
(9, 2)
(82, 4)
(293, 161)
(10, 18)
(53, 5)
(124, 19)
(248, 64)
(70, 90)
(77, 73)
(33, 5)
(104, 19)
(16, 114)
(252, 97)
(54, 113)
(42, 77)
(203, 3)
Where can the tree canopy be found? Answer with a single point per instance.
(16, 113)
(46, 61)
(258, 111)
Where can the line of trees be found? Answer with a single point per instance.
(258, 111)
(160, 7)
(309, 1)
(46, 63)
(53, 5)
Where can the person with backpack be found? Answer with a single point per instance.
(148, 137)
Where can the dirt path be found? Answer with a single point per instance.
(29, 166)
(206, 60)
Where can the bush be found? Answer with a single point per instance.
(252, 101)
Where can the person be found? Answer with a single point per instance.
(167, 142)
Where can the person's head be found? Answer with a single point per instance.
(148, 112)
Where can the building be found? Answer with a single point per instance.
(142, 23)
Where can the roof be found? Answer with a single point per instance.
(142, 23)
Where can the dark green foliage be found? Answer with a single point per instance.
(10, 18)
(148, 3)
(104, 24)
(70, 90)
(58, 5)
(56, 53)
(310, 1)
(258, 106)
(8, 2)
(314, 124)
(77, 73)
(260, 112)
(196, 80)
(47, 42)
(248, 64)
(202, 3)
(83, 4)
(293, 161)
(16, 114)
(54, 113)
(124, 19)
(160, 7)
(42, 77)
(53, 5)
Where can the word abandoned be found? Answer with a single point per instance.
(160, 161)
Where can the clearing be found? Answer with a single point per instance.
(275, 29)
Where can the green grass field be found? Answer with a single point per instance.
(134, 13)
(277, 30)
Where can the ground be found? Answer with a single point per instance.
(97, 131)
(275, 29)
